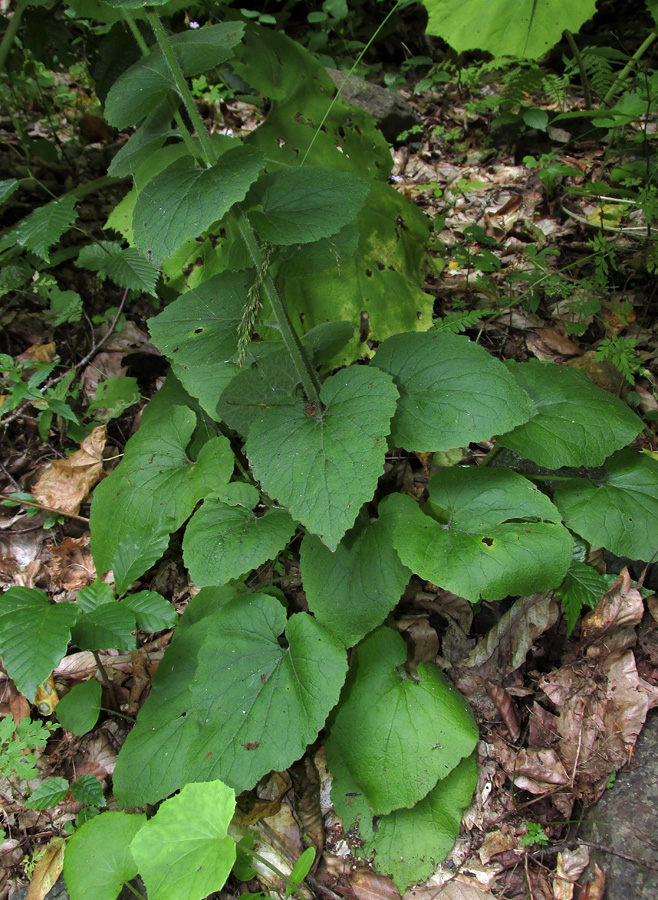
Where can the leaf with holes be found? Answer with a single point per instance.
(619, 512)
(324, 464)
(394, 736)
(353, 589)
(184, 201)
(575, 423)
(452, 392)
(484, 532)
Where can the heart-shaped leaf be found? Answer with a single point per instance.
(98, 860)
(78, 711)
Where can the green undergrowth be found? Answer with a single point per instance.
(302, 349)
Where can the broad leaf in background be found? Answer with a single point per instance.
(323, 465)
(113, 397)
(582, 586)
(353, 589)
(183, 201)
(144, 86)
(42, 228)
(528, 28)
(489, 533)
(298, 206)
(198, 333)
(224, 540)
(98, 860)
(109, 626)
(126, 267)
(392, 736)
(78, 711)
(184, 852)
(452, 392)
(34, 635)
(620, 512)
(575, 423)
(152, 611)
(149, 137)
(273, 696)
(155, 481)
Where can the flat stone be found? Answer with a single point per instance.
(624, 820)
(390, 110)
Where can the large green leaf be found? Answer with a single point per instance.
(184, 852)
(452, 392)
(108, 626)
(78, 711)
(150, 136)
(620, 511)
(298, 206)
(184, 200)
(155, 482)
(224, 540)
(489, 533)
(146, 84)
(273, 695)
(98, 860)
(394, 735)
(152, 611)
(575, 423)
(353, 589)
(528, 28)
(198, 333)
(323, 465)
(34, 635)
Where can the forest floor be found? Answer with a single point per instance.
(544, 271)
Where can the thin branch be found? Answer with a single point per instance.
(40, 506)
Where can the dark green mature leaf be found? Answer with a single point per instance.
(126, 267)
(582, 586)
(224, 541)
(184, 852)
(7, 188)
(49, 793)
(150, 136)
(87, 789)
(183, 201)
(146, 84)
(42, 228)
(489, 533)
(273, 696)
(94, 595)
(395, 736)
(137, 553)
(353, 589)
(34, 635)
(198, 333)
(575, 423)
(107, 627)
(299, 206)
(323, 465)
(98, 860)
(152, 611)
(452, 391)
(78, 711)
(621, 511)
(155, 483)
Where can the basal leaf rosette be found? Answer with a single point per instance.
(483, 533)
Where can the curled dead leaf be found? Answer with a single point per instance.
(65, 483)
(620, 607)
(48, 869)
(594, 888)
(506, 707)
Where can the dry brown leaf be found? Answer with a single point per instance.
(369, 885)
(65, 483)
(48, 869)
(71, 564)
(595, 888)
(494, 843)
(619, 608)
(536, 771)
(506, 707)
(506, 646)
(105, 365)
(38, 353)
(572, 863)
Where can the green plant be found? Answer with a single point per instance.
(280, 255)
(534, 835)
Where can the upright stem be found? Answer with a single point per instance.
(623, 75)
(584, 80)
(10, 33)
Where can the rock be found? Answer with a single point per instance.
(390, 111)
(625, 820)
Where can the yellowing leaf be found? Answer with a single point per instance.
(48, 869)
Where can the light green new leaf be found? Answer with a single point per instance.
(224, 541)
(575, 422)
(621, 511)
(78, 711)
(183, 201)
(489, 533)
(198, 333)
(324, 466)
(126, 267)
(34, 635)
(395, 736)
(98, 860)
(155, 483)
(528, 28)
(273, 695)
(582, 587)
(300, 870)
(299, 206)
(107, 626)
(146, 84)
(452, 391)
(184, 851)
(152, 611)
(49, 793)
(42, 228)
(353, 589)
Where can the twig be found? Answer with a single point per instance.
(104, 676)
(53, 381)
(49, 509)
(605, 849)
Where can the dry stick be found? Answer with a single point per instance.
(105, 678)
(49, 509)
(53, 381)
